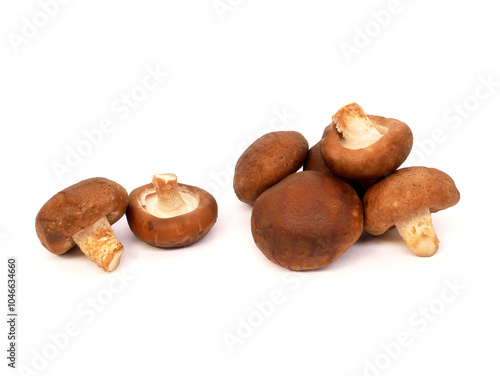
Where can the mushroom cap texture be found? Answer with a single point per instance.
(178, 231)
(268, 160)
(314, 161)
(76, 208)
(404, 193)
(328, 129)
(307, 220)
(372, 162)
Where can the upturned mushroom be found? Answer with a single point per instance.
(363, 147)
(268, 160)
(307, 220)
(82, 215)
(166, 214)
(406, 200)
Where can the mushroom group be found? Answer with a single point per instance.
(164, 214)
(350, 182)
(300, 220)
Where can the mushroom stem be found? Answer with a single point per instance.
(357, 130)
(170, 202)
(418, 233)
(99, 244)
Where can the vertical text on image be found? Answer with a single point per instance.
(11, 312)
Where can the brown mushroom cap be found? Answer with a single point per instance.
(76, 208)
(314, 160)
(307, 220)
(404, 193)
(177, 231)
(268, 160)
(327, 130)
(374, 161)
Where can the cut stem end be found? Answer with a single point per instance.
(356, 129)
(99, 244)
(418, 233)
(170, 202)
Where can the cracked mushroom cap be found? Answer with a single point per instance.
(404, 193)
(267, 161)
(178, 223)
(366, 158)
(307, 220)
(76, 208)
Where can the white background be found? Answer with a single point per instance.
(230, 72)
